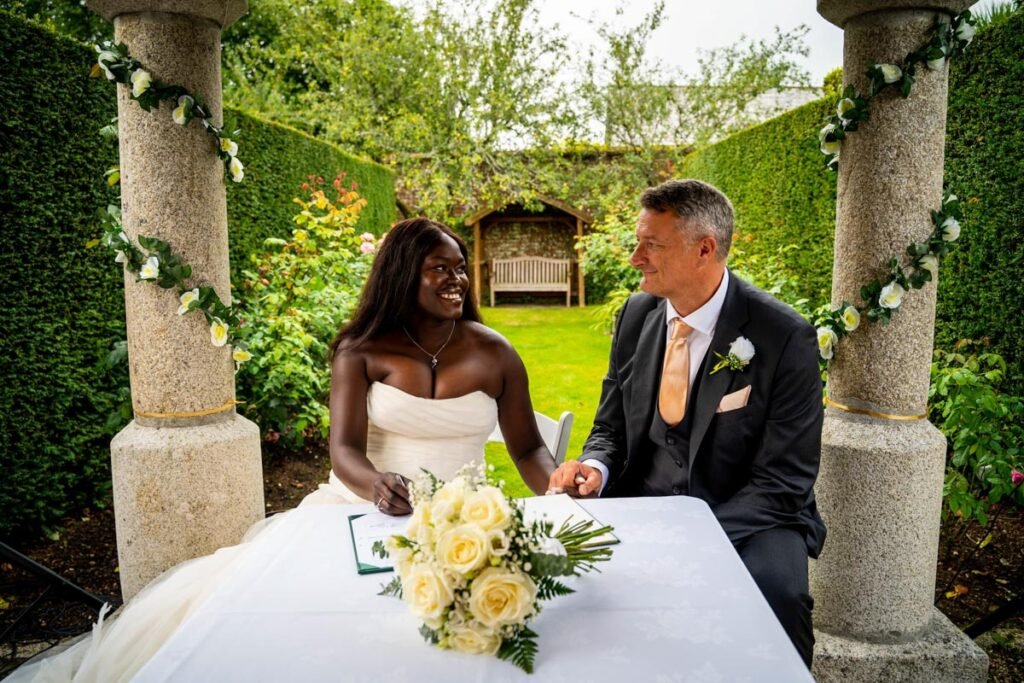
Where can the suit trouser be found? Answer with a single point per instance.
(777, 560)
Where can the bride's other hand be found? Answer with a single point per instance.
(391, 495)
(576, 479)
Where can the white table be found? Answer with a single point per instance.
(674, 604)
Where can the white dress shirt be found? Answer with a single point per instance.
(703, 322)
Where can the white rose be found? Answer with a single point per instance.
(743, 349)
(965, 31)
(150, 269)
(228, 145)
(936, 64)
(827, 340)
(106, 56)
(187, 298)
(499, 597)
(950, 229)
(488, 508)
(400, 555)
(500, 543)
(890, 72)
(851, 318)
(141, 80)
(236, 168)
(930, 262)
(473, 638)
(830, 146)
(181, 112)
(420, 527)
(427, 591)
(463, 549)
(845, 105)
(218, 332)
(891, 296)
(241, 355)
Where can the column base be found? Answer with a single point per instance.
(940, 654)
(182, 492)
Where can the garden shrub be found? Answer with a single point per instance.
(65, 309)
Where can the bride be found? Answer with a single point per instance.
(416, 382)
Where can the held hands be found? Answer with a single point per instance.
(576, 479)
(391, 494)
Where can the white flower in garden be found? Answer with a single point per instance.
(427, 591)
(890, 72)
(120, 258)
(367, 248)
(488, 508)
(367, 237)
(930, 262)
(141, 80)
(236, 168)
(218, 332)
(181, 112)
(827, 340)
(891, 296)
(463, 549)
(965, 32)
(228, 145)
(150, 269)
(241, 355)
(828, 146)
(742, 348)
(106, 57)
(845, 105)
(186, 299)
(950, 229)
(851, 318)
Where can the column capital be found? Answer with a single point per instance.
(840, 12)
(221, 12)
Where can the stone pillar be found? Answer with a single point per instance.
(187, 473)
(882, 465)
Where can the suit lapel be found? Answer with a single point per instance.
(712, 387)
(647, 363)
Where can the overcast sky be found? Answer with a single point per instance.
(692, 26)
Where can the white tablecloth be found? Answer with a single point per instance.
(674, 604)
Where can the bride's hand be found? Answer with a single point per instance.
(391, 494)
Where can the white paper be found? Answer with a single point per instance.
(558, 509)
(370, 528)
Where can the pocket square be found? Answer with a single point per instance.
(734, 401)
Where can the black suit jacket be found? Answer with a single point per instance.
(755, 466)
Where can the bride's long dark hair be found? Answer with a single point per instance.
(389, 296)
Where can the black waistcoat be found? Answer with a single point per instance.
(668, 450)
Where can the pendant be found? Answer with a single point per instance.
(433, 363)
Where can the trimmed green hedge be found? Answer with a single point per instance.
(783, 195)
(64, 304)
(981, 291)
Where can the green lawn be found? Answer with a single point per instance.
(566, 359)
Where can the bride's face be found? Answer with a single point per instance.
(443, 281)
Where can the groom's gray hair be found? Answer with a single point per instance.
(703, 208)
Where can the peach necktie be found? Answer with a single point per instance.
(675, 375)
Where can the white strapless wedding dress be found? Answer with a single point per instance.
(406, 433)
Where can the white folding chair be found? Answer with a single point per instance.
(555, 434)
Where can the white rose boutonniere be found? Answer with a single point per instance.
(740, 352)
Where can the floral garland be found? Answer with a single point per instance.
(119, 66)
(882, 299)
(152, 260)
(949, 41)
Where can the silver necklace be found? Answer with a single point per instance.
(433, 356)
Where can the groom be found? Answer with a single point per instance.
(713, 391)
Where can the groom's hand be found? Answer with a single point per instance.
(576, 479)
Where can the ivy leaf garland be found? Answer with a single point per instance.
(883, 296)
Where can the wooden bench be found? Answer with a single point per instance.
(531, 274)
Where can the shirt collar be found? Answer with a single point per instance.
(705, 318)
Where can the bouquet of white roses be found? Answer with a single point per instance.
(475, 572)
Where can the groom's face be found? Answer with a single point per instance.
(673, 264)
